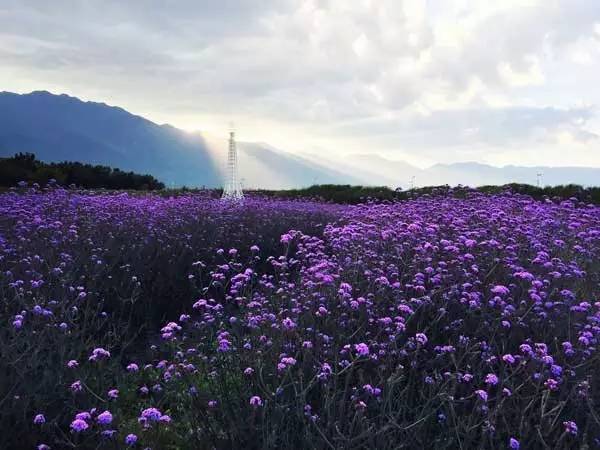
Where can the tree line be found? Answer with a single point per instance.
(25, 167)
(357, 194)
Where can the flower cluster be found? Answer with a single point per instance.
(452, 321)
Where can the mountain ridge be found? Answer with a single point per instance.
(61, 127)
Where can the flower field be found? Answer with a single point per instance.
(143, 321)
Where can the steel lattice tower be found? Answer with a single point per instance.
(232, 189)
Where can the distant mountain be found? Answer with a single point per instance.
(264, 166)
(398, 173)
(395, 173)
(62, 128)
(475, 174)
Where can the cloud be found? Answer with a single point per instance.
(437, 74)
(493, 127)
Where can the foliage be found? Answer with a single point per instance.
(451, 320)
(348, 194)
(23, 167)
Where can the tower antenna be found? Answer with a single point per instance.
(232, 189)
(539, 176)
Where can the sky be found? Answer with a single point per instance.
(498, 82)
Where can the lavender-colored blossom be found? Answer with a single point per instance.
(570, 427)
(509, 359)
(491, 379)
(288, 324)
(482, 394)
(113, 393)
(72, 364)
(84, 415)
(362, 349)
(421, 338)
(99, 354)
(151, 414)
(104, 418)
(353, 299)
(79, 425)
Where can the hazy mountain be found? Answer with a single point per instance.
(64, 128)
(59, 128)
(368, 169)
(264, 166)
(392, 172)
(475, 174)
(398, 173)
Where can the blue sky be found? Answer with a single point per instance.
(511, 82)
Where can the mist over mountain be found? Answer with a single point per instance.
(63, 128)
(265, 167)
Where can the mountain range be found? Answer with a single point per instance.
(65, 128)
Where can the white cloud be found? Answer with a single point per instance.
(389, 74)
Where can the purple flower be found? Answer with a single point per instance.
(556, 370)
(39, 419)
(83, 416)
(98, 354)
(513, 443)
(76, 386)
(224, 345)
(113, 393)
(104, 418)
(325, 372)
(421, 338)
(132, 367)
(500, 290)
(570, 427)
(256, 401)
(288, 324)
(551, 384)
(374, 391)
(509, 359)
(491, 379)
(131, 439)
(79, 425)
(362, 349)
(526, 349)
(151, 414)
(72, 364)
(482, 395)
